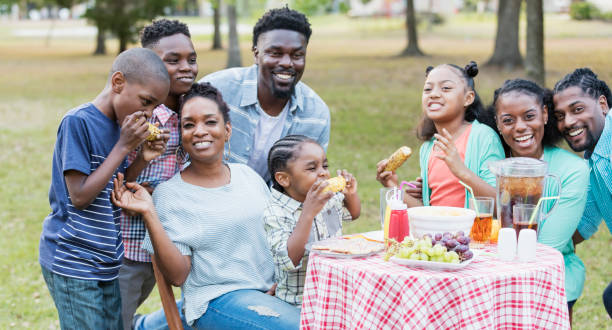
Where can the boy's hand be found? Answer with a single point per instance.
(131, 196)
(351, 182)
(134, 130)
(316, 198)
(153, 149)
(386, 178)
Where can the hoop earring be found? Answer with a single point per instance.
(180, 155)
(229, 151)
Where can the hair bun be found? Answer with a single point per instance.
(471, 69)
(428, 70)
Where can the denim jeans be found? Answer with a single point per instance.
(85, 304)
(240, 309)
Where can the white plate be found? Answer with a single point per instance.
(343, 255)
(308, 247)
(433, 264)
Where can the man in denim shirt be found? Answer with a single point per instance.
(581, 104)
(267, 100)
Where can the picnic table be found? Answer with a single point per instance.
(370, 293)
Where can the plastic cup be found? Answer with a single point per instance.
(521, 215)
(383, 204)
(526, 249)
(506, 244)
(481, 229)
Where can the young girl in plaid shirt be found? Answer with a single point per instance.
(300, 211)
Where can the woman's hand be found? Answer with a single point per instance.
(449, 154)
(386, 178)
(417, 191)
(272, 290)
(153, 149)
(131, 196)
(351, 182)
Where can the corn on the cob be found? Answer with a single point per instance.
(398, 158)
(154, 132)
(336, 184)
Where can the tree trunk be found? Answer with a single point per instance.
(123, 41)
(233, 50)
(411, 31)
(507, 54)
(100, 42)
(534, 57)
(217, 25)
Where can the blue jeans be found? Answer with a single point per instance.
(240, 309)
(85, 304)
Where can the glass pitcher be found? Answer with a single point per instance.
(520, 180)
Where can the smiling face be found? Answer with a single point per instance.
(521, 120)
(303, 171)
(445, 95)
(203, 130)
(135, 96)
(179, 56)
(580, 118)
(280, 56)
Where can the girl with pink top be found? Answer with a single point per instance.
(455, 145)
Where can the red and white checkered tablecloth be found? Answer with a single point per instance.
(369, 293)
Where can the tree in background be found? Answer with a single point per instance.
(124, 18)
(216, 5)
(534, 57)
(411, 31)
(506, 53)
(233, 50)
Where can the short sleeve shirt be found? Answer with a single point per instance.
(84, 244)
(222, 230)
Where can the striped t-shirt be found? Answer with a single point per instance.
(222, 230)
(84, 244)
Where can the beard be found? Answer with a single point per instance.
(588, 143)
(283, 93)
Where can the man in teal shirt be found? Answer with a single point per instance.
(581, 104)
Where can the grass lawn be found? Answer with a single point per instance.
(373, 95)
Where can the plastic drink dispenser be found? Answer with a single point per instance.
(399, 226)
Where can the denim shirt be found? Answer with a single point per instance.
(308, 114)
(599, 198)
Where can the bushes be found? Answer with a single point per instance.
(583, 11)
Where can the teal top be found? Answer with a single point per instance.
(483, 146)
(557, 229)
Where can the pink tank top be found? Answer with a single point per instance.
(445, 187)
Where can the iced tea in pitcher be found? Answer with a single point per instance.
(520, 180)
(517, 190)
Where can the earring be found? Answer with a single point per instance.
(229, 151)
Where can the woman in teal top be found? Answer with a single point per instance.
(524, 118)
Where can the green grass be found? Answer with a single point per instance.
(374, 97)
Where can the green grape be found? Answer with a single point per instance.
(439, 250)
(405, 252)
(428, 251)
(424, 257)
(408, 241)
(415, 256)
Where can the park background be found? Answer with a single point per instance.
(353, 63)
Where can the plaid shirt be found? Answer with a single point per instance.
(157, 171)
(599, 198)
(280, 217)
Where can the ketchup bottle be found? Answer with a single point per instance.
(399, 226)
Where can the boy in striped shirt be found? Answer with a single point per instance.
(171, 41)
(81, 246)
